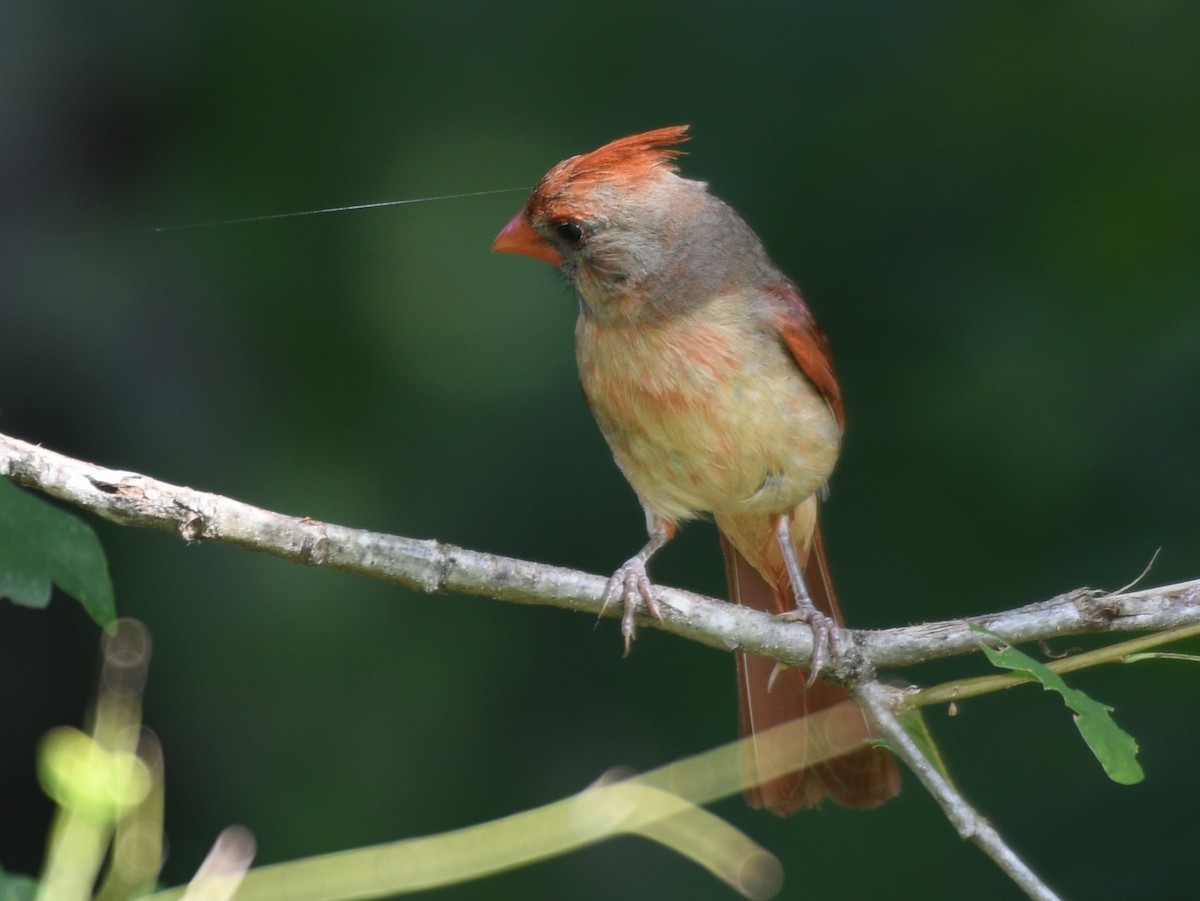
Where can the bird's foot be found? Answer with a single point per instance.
(827, 636)
(632, 585)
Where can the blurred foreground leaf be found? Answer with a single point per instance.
(1113, 746)
(41, 545)
(80, 774)
(16, 888)
(662, 805)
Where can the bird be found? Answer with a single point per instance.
(714, 388)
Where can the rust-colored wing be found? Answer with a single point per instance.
(808, 346)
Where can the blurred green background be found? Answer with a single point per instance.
(993, 209)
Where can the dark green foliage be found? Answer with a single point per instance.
(41, 546)
(991, 207)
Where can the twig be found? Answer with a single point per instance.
(876, 700)
(1121, 652)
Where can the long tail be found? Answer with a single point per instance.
(863, 778)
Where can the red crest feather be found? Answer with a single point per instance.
(624, 160)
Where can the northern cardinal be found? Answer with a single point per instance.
(714, 388)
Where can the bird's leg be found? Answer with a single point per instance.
(631, 583)
(826, 635)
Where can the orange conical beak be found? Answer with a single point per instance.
(519, 237)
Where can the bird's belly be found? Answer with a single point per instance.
(697, 426)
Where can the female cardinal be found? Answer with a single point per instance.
(715, 389)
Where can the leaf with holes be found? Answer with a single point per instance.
(1113, 746)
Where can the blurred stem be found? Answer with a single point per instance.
(960, 689)
(76, 851)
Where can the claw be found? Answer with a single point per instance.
(827, 638)
(632, 585)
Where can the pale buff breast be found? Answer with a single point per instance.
(697, 426)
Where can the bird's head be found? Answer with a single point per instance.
(634, 237)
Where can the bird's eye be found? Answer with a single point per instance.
(570, 231)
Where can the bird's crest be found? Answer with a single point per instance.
(623, 161)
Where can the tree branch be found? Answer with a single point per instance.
(432, 567)
(877, 700)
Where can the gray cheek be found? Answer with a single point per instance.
(613, 263)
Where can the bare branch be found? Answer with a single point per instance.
(430, 566)
(1075, 612)
(877, 700)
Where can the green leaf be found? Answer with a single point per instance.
(41, 544)
(1113, 746)
(16, 888)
